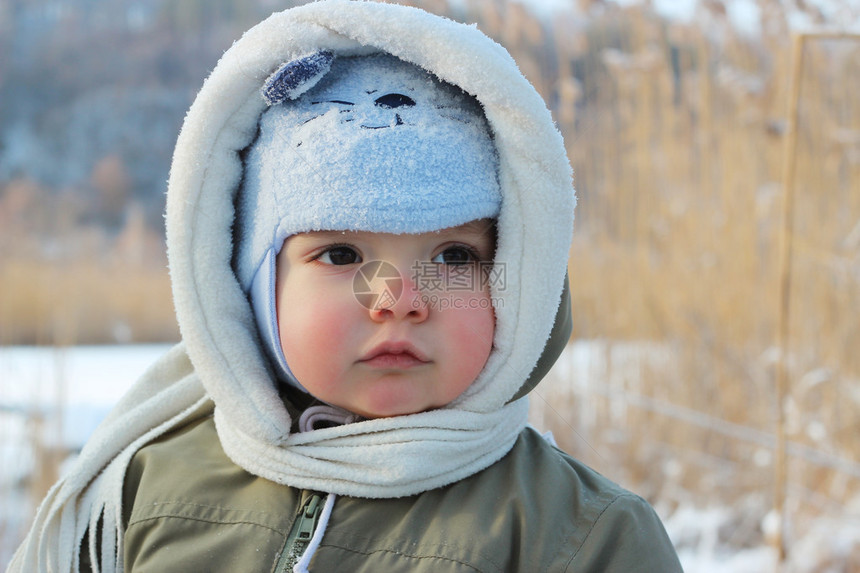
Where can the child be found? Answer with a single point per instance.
(369, 268)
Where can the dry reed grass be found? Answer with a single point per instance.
(84, 302)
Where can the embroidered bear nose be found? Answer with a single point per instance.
(391, 101)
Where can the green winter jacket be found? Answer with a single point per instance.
(187, 507)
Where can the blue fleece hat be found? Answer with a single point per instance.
(363, 143)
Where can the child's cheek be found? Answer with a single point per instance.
(327, 327)
(479, 332)
(316, 335)
(471, 341)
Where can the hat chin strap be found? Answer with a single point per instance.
(263, 301)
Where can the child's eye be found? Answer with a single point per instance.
(339, 255)
(456, 256)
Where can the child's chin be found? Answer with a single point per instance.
(389, 410)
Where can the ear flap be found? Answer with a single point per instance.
(296, 77)
(558, 339)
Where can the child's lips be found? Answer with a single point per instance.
(394, 355)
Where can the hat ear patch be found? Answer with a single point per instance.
(296, 77)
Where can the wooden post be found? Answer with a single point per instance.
(784, 296)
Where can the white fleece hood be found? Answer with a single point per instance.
(534, 226)
(220, 360)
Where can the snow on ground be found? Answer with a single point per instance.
(70, 389)
(85, 381)
(704, 553)
(73, 386)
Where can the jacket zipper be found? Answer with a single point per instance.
(300, 535)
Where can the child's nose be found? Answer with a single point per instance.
(410, 305)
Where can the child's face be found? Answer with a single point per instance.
(403, 356)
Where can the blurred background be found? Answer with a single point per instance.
(715, 270)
